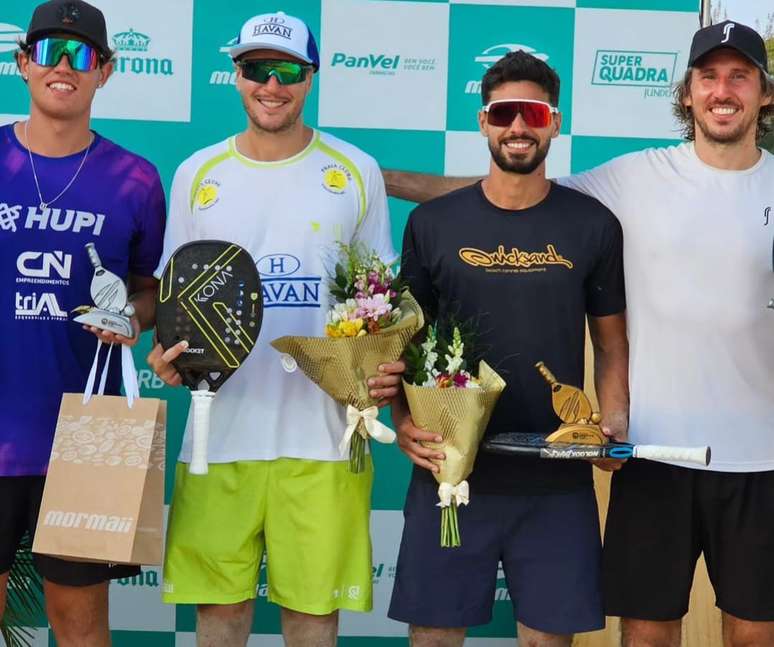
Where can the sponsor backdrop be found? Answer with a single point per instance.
(401, 79)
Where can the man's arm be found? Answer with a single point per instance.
(421, 187)
(611, 372)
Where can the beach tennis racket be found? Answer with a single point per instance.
(536, 445)
(210, 295)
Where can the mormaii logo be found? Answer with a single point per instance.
(225, 76)
(88, 521)
(9, 38)
(492, 54)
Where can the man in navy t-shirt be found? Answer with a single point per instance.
(62, 186)
(528, 261)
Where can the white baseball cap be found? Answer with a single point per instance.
(277, 31)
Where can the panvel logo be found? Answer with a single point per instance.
(44, 307)
(136, 44)
(88, 521)
(653, 71)
(383, 64)
(513, 260)
(60, 220)
(207, 194)
(492, 54)
(336, 178)
(44, 267)
(282, 288)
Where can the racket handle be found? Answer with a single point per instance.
(201, 401)
(93, 256)
(699, 455)
(548, 376)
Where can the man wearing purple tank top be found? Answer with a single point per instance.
(62, 186)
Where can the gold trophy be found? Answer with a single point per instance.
(580, 424)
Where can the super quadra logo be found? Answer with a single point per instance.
(514, 259)
(132, 47)
(653, 71)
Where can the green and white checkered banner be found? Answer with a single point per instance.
(401, 79)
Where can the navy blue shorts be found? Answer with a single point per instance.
(549, 546)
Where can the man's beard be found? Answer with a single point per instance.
(520, 166)
(726, 137)
(284, 126)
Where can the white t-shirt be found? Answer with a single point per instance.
(288, 215)
(698, 266)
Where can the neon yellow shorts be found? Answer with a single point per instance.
(311, 518)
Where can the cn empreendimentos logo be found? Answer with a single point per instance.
(491, 55)
(654, 71)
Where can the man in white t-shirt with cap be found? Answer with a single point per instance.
(697, 221)
(277, 484)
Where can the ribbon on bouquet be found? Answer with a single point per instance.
(370, 427)
(460, 493)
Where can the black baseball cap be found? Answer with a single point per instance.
(70, 17)
(728, 33)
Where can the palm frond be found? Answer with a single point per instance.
(25, 599)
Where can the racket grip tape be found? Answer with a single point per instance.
(699, 455)
(201, 402)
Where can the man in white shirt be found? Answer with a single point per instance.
(277, 482)
(697, 222)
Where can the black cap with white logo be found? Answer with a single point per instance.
(70, 17)
(742, 38)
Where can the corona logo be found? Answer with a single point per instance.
(131, 41)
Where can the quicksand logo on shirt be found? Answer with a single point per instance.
(11, 218)
(514, 259)
(282, 287)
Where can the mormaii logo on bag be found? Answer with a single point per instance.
(88, 521)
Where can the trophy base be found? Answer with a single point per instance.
(575, 433)
(106, 320)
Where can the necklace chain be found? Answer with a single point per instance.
(43, 203)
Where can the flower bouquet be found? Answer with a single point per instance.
(447, 398)
(370, 323)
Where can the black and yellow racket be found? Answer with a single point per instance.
(210, 296)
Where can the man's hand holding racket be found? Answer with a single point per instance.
(160, 361)
(616, 427)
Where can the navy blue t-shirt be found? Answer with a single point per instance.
(526, 279)
(116, 202)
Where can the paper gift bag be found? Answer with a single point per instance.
(104, 494)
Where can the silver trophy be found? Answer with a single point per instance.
(113, 312)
